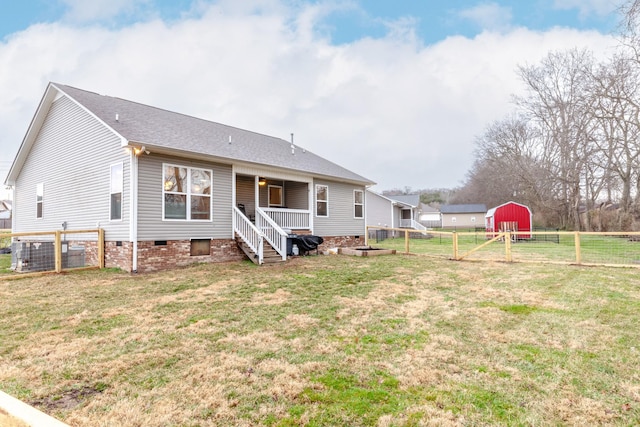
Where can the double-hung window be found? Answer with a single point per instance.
(115, 201)
(358, 204)
(322, 200)
(187, 193)
(39, 200)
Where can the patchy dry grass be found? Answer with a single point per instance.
(379, 341)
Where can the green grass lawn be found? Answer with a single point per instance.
(594, 249)
(328, 341)
(5, 263)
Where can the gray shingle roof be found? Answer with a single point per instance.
(410, 199)
(155, 127)
(459, 209)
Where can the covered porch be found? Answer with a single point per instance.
(267, 209)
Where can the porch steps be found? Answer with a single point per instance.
(270, 256)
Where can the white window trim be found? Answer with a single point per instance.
(40, 189)
(358, 204)
(269, 195)
(121, 164)
(324, 201)
(188, 194)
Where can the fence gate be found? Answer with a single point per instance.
(463, 247)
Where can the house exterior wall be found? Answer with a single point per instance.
(431, 219)
(245, 193)
(71, 157)
(296, 195)
(264, 192)
(463, 220)
(379, 210)
(340, 220)
(151, 225)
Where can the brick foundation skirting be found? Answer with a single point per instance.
(341, 242)
(156, 256)
(166, 255)
(118, 255)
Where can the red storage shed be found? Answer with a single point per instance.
(510, 216)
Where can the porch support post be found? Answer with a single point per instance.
(312, 198)
(233, 202)
(256, 193)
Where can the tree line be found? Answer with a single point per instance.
(571, 148)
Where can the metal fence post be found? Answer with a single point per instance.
(577, 244)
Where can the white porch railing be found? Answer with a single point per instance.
(272, 232)
(249, 233)
(416, 225)
(292, 219)
(411, 223)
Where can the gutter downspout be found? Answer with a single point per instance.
(133, 209)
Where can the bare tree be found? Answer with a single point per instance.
(510, 166)
(616, 89)
(629, 27)
(558, 102)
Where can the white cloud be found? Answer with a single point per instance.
(391, 109)
(489, 16)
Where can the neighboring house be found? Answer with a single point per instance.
(166, 187)
(429, 216)
(393, 211)
(463, 216)
(5, 214)
(5, 209)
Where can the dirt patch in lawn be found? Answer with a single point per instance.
(65, 400)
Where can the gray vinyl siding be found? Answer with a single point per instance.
(463, 220)
(244, 193)
(151, 226)
(378, 210)
(296, 195)
(71, 156)
(264, 192)
(340, 221)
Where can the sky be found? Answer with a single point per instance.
(396, 91)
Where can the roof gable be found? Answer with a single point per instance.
(165, 131)
(491, 212)
(390, 199)
(409, 199)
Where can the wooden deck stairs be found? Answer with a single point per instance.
(270, 255)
